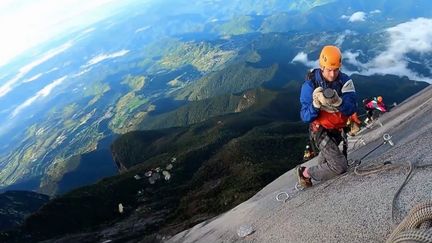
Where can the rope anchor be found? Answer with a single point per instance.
(285, 197)
(386, 138)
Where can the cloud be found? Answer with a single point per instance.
(40, 94)
(9, 85)
(301, 57)
(355, 17)
(142, 29)
(348, 57)
(82, 72)
(103, 57)
(341, 38)
(48, 55)
(414, 36)
(37, 76)
(376, 11)
(33, 78)
(351, 58)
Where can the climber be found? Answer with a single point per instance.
(353, 125)
(308, 153)
(327, 99)
(373, 108)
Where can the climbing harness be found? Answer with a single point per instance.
(344, 144)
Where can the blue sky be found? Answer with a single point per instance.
(27, 23)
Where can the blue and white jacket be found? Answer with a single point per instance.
(343, 85)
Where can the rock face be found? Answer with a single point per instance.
(354, 207)
(16, 205)
(248, 99)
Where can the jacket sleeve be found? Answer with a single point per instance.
(381, 107)
(308, 112)
(349, 99)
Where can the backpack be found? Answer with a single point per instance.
(365, 101)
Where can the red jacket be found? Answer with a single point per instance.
(331, 120)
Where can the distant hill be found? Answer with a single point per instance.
(392, 88)
(15, 206)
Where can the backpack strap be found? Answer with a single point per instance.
(311, 76)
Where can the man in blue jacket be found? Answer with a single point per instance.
(327, 99)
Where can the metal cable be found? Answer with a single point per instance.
(400, 189)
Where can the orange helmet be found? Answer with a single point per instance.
(330, 57)
(379, 98)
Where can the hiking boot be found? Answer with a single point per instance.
(303, 181)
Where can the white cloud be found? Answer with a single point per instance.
(103, 57)
(9, 85)
(52, 70)
(376, 11)
(351, 58)
(142, 29)
(82, 72)
(341, 38)
(355, 17)
(46, 56)
(301, 57)
(414, 36)
(33, 78)
(40, 94)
